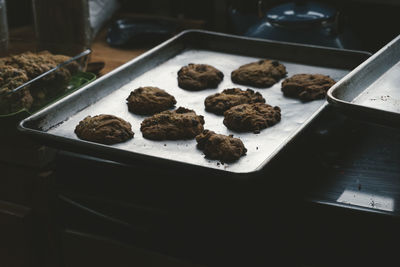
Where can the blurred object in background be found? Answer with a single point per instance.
(147, 30)
(68, 27)
(62, 27)
(370, 22)
(137, 32)
(211, 12)
(304, 22)
(101, 11)
(3, 29)
(360, 24)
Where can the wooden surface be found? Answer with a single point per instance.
(23, 39)
(112, 57)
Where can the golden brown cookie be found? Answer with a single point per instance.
(221, 147)
(307, 87)
(196, 77)
(178, 124)
(149, 100)
(251, 117)
(263, 73)
(220, 102)
(104, 129)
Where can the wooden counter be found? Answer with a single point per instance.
(23, 39)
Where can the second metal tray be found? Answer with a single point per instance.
(159, 67)
(372, 90)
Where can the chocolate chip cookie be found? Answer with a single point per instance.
(221, 147)
(251, 117)
(178, 124)
(263, 73)
(104, 129)
(149, 100)
(307, 87)
(196, 77)
(220, 102)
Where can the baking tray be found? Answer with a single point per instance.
(372, 90)
(159, 66)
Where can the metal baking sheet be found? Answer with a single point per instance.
(372, 90)
(159, 67)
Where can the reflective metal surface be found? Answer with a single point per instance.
(372, 90)
(159, 68)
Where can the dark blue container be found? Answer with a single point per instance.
(303, 22)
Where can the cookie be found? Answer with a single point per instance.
(196, 77)
(263, 73)
(149, 100)
(220, 102)
(178, 124)
(104, 129)
(251, 117)
(221, 147)
(307, 87)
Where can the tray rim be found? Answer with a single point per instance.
(51, 138)
(380, 116)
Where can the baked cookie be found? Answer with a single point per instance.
(221, 147)
(307, 87)
(220, 102)
(251, 117)
(263, 73)
(196, 77)
(149, 100)
(104, 129)
(178, 124)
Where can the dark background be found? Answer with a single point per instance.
(373, 22)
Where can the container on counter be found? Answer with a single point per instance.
(62, 27)
(3, 28)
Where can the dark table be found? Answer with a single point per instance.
(331, 198)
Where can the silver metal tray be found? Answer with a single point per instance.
(372, 90)
(159, 67)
